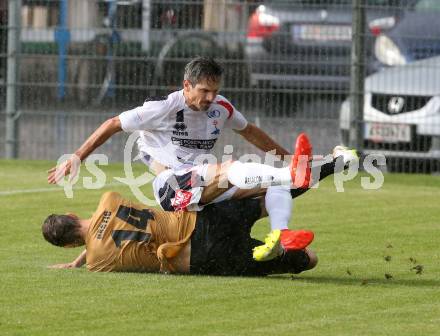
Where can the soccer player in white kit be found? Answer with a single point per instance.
(177, 130)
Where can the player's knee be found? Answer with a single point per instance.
(223, 175)
(313, 259)
(300, 261)
(237, 174)
(217, 174)
(215, 184)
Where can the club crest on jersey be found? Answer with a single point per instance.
(216, 131)
(213, 114)
(181, 199)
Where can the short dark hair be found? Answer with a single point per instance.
(61, 230)
(203, 68)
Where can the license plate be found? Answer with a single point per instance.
(380, 132)
(310, 32)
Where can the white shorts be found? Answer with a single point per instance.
(182, 188)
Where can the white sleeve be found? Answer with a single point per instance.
(237, 121)
(149, 116)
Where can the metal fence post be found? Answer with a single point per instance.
(62, 37)
(146, 24)
(357, 75)
(14, 19)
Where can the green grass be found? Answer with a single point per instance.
(347, 294)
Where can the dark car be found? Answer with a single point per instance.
(415, 35)
(306, 44)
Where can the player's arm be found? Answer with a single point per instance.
(261, 140)
(78, 262)
(98, 137)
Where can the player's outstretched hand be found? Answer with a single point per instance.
(63, 266)
(70, 166)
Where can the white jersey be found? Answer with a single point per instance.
(173, 134)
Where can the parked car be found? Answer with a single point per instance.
(401, 112)
(410, 37)
(307, 43)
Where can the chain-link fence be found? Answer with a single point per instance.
(288, 66)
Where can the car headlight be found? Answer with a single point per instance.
(387, 52)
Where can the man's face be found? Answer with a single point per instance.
(200, 96)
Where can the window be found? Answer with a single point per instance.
(427, 5)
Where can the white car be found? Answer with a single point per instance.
(401, 112)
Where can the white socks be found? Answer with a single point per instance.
(250, 175)
(278, 182)
(279, 206)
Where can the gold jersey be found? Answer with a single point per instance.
(131, 237)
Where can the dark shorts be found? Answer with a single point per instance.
(221, 243)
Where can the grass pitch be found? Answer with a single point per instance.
(378, 272)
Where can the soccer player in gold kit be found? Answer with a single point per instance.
(129, 237)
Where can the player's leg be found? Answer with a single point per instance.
(221, 243)
(287, 262)
(253, 175)
(278, 198)
(293, 239)
(292, 262)
(191, 188)
(279, 210)
(216, 183)
(279, 242)
(340, 160)
(278, 202)
(279, 206)
(281, 260)
(301, 174)
(218, 237)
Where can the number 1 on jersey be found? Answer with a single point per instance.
(138, 219)
(135, 217)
